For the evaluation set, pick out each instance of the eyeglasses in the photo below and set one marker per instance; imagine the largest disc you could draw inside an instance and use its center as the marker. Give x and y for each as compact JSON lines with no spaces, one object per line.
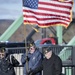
{"x":31,"y":48}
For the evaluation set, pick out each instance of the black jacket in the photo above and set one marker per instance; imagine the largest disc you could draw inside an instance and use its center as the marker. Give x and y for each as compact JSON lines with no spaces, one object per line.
{"x":7,"y":65}
{"x":52,"y":66}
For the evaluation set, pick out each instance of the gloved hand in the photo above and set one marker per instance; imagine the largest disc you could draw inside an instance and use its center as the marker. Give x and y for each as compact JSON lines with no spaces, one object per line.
{"x":26,"y":58}
{"x":30,"y":72}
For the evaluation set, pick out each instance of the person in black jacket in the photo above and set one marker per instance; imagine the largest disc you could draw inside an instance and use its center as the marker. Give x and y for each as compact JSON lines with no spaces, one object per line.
{"x":51,"y":65}
{"x":7,"y":63}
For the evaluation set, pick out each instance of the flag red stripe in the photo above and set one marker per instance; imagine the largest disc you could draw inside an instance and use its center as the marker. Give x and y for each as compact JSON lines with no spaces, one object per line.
{"x":47,"y":24}
{"x":42,"y":19}
{"x":47,"y":15}
{"x":43,"y":14}
{"x":54,"y":10}
{"x":57,"y":5}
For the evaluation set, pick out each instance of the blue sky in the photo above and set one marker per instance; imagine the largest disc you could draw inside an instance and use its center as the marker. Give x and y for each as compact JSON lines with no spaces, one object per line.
{"x":74,"y":6}
{"x":12,"y":9}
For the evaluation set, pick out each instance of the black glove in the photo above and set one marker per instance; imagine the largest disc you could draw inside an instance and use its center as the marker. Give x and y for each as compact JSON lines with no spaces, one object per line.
{"x":15,"y":62}
{"x":27,"y":58}
{"x":30,"y":72}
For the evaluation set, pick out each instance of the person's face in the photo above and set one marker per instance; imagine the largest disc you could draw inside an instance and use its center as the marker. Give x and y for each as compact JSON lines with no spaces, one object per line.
{"x":48,"y":55}
{"x":2,"y":54}
{"x":32,"y":49}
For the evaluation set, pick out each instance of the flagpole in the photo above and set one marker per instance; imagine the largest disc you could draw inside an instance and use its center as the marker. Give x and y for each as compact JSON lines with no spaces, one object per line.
{"x":26,"y":48}
{"x":43,"y":32}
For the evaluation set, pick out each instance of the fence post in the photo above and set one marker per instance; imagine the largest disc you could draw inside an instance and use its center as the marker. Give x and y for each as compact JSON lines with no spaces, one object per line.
{"x":73,"y":59}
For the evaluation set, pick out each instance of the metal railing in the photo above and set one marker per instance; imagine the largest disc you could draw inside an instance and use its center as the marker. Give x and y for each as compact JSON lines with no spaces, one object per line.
{"x":65,"y":52}
{"x":66,"y":70}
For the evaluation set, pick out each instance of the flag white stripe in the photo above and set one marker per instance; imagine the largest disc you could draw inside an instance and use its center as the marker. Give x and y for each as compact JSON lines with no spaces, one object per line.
{"x":39,"y":16}
{"x":48,"y":12}
{"x":49,"y":7}
{"x":54,"y":7}
{"x":65,"y":3}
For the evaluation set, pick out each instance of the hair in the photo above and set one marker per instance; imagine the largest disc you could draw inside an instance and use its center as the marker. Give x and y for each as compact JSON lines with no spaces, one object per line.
{"x":2,"y":49}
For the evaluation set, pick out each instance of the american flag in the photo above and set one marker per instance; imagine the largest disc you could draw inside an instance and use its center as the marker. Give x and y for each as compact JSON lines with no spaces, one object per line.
{"x":45,"y":13}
